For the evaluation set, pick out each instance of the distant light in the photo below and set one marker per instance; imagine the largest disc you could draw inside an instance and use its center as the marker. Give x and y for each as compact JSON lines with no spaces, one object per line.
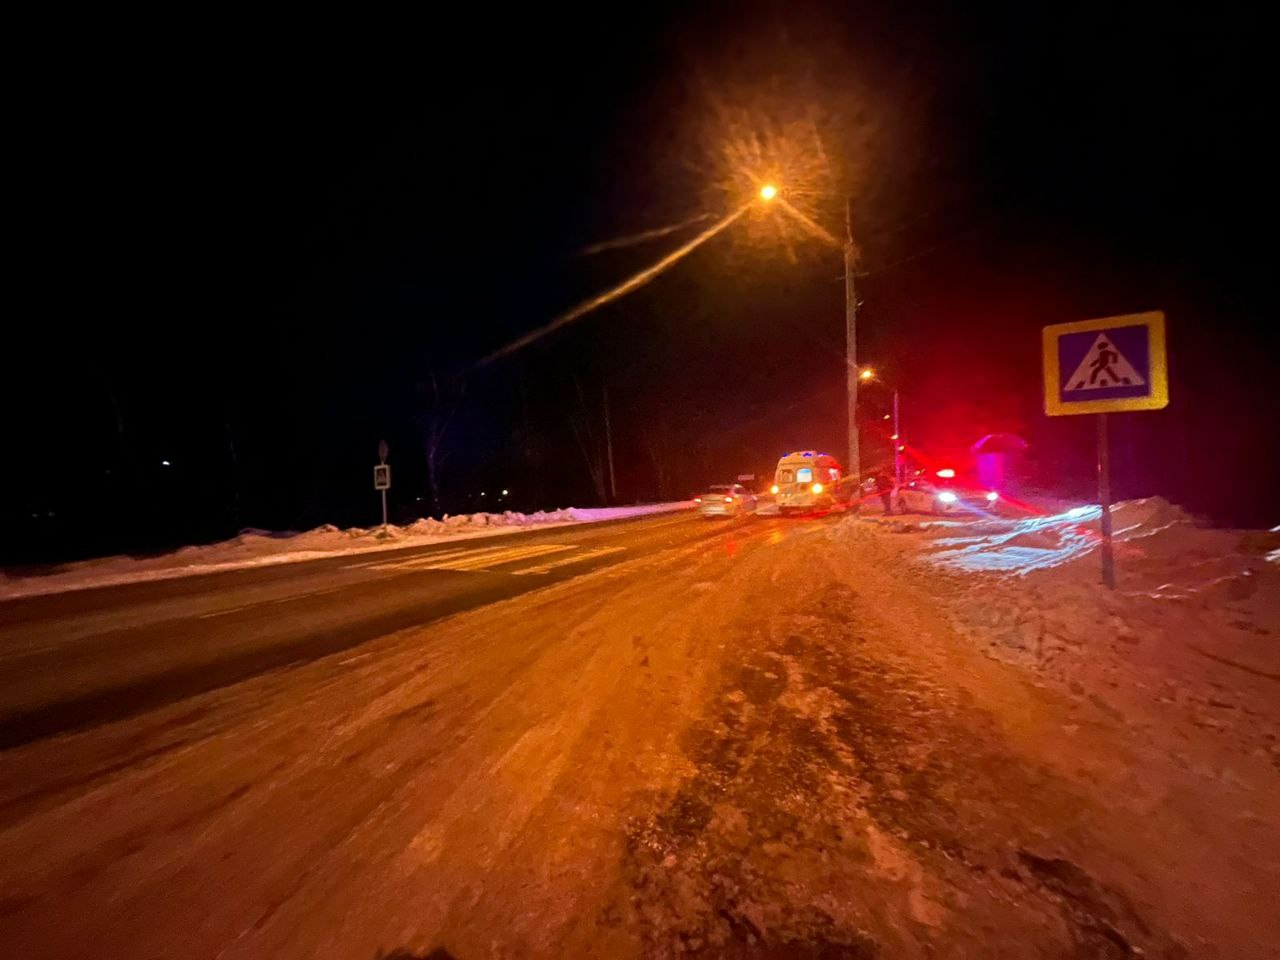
{"x":903,"y":450}
{"x":893,"y":436}
{"x":728,"y":499}
{"x":886,"y":417}
{"x":165,"y":463}
{"x":504,"y":492}
{"x":817,"y":488}
{"x":946,"y":473}
{"x":946,"y":496}
{"x":867,"y":374}
{"x":992,"y":496}
{"x":482,"y":493}
{"x":697,"y":499}
{"x":768,"y":192}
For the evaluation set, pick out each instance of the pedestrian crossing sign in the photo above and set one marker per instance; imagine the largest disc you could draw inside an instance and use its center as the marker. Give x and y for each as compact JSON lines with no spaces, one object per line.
{"x":1105,"y":366}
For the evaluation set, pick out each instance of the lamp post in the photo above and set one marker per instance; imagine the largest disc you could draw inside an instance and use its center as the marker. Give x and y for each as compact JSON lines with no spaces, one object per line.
{"x":768,"y":192}
{"x":869,"y":374}
{"x":851,"y":346}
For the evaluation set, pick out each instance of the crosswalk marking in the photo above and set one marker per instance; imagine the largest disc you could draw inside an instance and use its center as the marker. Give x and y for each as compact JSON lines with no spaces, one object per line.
{"x":465,"y":559}
{"x":566,"y":561}
{"x":427,"y":560}
{"x":493,"y":559}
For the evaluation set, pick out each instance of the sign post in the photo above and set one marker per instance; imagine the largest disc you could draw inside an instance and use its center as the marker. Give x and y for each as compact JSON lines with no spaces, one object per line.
{"x":382,"y":478}
{"x":1104,"y":500}
{"x":1105,"y":366}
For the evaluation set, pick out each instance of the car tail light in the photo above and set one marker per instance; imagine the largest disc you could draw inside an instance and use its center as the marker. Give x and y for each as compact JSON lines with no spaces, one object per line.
{"x":728,"y":499}
{"x":946,"y":496}
{"x":992,"y":496}
{"x":817,"y":488}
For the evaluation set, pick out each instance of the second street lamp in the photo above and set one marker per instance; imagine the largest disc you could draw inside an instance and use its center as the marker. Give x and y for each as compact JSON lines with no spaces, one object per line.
{"x":869,"y":374}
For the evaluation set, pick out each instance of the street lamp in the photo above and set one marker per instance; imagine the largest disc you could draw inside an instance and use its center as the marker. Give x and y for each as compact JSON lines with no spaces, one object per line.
{"x":768,"y":193}
{"x":851,"y":340}
{"x":868,"y":374}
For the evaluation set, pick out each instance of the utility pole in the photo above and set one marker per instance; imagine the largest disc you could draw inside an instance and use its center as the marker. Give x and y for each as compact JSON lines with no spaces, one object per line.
{"x":897,"y":442}
{"x":851,"y":343}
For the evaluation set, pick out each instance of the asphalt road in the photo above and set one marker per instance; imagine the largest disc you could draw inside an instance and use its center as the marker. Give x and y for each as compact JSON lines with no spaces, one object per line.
{"x":661,"y":738}
{"x":73,"y":660}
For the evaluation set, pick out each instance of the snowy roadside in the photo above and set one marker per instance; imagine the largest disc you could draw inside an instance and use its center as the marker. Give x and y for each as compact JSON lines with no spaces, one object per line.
{"x":258,"y":548}
{"x":1189,"y":639}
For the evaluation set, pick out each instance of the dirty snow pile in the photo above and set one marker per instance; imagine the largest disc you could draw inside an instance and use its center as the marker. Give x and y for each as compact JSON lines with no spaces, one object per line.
{"x":254,"y":548}
{"x":1193,"y":625}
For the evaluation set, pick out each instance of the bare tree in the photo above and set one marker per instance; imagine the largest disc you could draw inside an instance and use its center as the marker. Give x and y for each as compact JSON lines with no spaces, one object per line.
{"x":590,"y":442}
{"x":608,"y":448}
{"x":663,"y":448}
{"x":529,"y":443}
{"x":441,"y":398}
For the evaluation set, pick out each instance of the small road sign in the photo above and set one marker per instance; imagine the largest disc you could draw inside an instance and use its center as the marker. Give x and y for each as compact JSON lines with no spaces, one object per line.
{"x":1105,"y":366}
{"x":382,"y":477}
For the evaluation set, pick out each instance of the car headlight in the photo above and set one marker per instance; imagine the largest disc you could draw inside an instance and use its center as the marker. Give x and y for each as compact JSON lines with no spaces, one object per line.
{"x":946,"y":496}
{"x":817,"y":488}
{"x":992,"y":496}
{"x":774,"y":488}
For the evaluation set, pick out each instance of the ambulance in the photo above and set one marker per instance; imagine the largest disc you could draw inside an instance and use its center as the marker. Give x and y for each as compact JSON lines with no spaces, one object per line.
{"x":807,"y":480}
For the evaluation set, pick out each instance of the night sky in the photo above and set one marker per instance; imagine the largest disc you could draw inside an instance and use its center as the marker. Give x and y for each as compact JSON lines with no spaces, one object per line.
{"x":254,"y":249}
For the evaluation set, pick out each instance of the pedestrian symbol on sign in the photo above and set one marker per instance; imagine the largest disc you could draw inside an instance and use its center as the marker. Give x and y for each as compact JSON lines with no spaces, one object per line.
{"x":1103,"y":366}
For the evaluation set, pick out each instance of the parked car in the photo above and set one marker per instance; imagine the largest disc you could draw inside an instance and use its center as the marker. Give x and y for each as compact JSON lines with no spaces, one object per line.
{"x":725,"y":500}
{"x":942,"y":495}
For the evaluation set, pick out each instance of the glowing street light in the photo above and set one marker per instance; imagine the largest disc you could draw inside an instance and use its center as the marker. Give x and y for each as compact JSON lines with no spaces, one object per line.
{"x":867,"y":374}
{"x":769,"y":193}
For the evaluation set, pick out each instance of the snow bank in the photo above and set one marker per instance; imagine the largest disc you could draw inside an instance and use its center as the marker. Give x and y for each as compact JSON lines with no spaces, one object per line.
{"x":1194,"y":621}
{"x":253,"y":547}
{"x":1153,"y":539}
